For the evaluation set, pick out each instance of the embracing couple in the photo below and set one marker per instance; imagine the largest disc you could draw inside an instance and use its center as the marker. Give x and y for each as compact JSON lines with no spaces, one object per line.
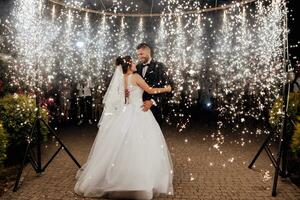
{"x":130,"y":158}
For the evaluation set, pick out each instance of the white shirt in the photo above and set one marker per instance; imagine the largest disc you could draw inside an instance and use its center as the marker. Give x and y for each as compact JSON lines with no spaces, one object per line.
{"x":145,"y":68}
{"x":85,"y":90}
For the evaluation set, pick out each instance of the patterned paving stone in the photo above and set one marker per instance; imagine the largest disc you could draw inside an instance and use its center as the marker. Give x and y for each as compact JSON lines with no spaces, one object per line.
{"x":200,"y":172}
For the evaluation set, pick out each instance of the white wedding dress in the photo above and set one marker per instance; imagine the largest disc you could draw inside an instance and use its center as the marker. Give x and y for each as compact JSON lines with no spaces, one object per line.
{"x":129,"y":157}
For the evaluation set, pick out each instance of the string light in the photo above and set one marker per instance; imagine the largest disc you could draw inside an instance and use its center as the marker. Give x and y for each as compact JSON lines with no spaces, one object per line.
{"x":74,"y":5}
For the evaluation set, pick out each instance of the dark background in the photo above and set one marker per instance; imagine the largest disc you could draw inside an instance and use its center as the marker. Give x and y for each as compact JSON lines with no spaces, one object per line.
{"x":294,"y":35}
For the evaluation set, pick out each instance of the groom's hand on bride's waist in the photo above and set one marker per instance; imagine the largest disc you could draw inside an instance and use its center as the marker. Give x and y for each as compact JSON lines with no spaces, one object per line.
{"x":147,"y":105}
{"x":126,"y":93}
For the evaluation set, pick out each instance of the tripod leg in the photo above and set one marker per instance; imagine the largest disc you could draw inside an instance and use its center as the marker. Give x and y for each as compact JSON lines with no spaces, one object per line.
{"x":261,"y":149}
{"x":278,"y":161}
{"x":273,"y":160}
{"x":46,"y":165}
{"x":62,"y":144}
{"x":20,"y":172}
{"x":275,"y":180}
{"x":24,"y":159}
{"x":38,"y":146}
{"x":32,"y":160}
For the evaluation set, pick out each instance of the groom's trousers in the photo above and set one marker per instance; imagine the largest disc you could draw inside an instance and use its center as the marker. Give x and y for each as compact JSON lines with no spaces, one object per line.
{"x":157,"y":112}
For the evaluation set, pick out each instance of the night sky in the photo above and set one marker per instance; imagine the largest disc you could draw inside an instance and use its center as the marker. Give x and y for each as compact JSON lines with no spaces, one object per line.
{"x":294,"y":35}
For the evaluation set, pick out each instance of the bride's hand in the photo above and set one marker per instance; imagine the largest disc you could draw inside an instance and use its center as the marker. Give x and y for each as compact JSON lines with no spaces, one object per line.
{"x":168,"y":88}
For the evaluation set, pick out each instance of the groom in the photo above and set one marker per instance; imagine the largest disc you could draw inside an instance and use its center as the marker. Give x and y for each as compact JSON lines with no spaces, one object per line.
{"x":154,"y":73}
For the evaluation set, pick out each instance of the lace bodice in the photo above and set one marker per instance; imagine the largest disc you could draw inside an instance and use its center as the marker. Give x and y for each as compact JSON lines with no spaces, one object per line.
{"x":135,"y":93}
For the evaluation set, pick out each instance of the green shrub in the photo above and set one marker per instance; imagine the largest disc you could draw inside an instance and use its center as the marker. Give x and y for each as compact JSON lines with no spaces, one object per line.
{"x":276,"y":113}
{"x":3,"y":144}
{"x":276,"y":119}
{"x":296,"y":139}
{"x":17,"y":113}
{"x":5,"y":79}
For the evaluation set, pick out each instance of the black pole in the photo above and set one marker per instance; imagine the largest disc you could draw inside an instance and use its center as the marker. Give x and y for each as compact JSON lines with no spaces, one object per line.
{"x":284,"y":138}
{"x":286,"y":101}
{"x":39,"y":137}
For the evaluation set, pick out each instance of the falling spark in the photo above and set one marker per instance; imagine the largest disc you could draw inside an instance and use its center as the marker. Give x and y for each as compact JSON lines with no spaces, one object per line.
{"x":237,"y":63}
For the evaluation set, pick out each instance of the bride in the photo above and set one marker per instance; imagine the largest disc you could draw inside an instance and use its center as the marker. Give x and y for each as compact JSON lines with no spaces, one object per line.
{"x":129,"y":157}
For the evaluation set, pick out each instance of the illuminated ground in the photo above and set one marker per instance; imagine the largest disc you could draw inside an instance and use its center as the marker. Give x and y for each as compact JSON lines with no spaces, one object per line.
{"x":200,"y":173}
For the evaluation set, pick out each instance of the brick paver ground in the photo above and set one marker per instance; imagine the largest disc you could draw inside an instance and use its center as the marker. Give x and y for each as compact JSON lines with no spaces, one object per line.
{"x":200,"y":171}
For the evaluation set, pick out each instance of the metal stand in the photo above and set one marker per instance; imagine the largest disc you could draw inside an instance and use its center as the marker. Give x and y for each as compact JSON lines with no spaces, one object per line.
{"x":265,"y":147}
{"x":280,"y":162}
{"x":36,"y":160}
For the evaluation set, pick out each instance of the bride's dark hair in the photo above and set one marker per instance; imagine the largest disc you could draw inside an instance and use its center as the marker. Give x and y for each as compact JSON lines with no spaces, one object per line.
{"x":118,"y":61}
{"x":126,"y":63}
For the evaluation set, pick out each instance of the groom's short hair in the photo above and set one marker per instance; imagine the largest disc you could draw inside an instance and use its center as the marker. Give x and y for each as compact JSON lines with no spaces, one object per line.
{"x":144,"y":45}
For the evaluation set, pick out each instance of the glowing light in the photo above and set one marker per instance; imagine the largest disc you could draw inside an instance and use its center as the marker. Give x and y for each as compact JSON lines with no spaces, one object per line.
{"x":80,"y":44}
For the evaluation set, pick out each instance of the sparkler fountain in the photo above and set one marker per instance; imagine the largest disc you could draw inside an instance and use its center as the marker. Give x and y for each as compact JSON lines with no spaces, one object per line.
{"x":34,"y":59}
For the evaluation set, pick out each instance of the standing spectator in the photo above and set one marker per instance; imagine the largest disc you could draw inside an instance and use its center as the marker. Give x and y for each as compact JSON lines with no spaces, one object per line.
{"x":65,"y":99}
{"x":84,"y":88}
{"x":52,"y":102}
{"x":98,"y":97}
{"x":74,"y":103}
{"x":296,"y":82}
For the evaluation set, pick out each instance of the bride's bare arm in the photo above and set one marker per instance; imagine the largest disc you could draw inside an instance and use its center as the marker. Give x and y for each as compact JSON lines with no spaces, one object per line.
{"x":150,"y":90}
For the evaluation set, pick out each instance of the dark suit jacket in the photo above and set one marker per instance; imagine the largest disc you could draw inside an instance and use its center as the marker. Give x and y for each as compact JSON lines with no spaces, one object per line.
{"x":155,"y":76}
